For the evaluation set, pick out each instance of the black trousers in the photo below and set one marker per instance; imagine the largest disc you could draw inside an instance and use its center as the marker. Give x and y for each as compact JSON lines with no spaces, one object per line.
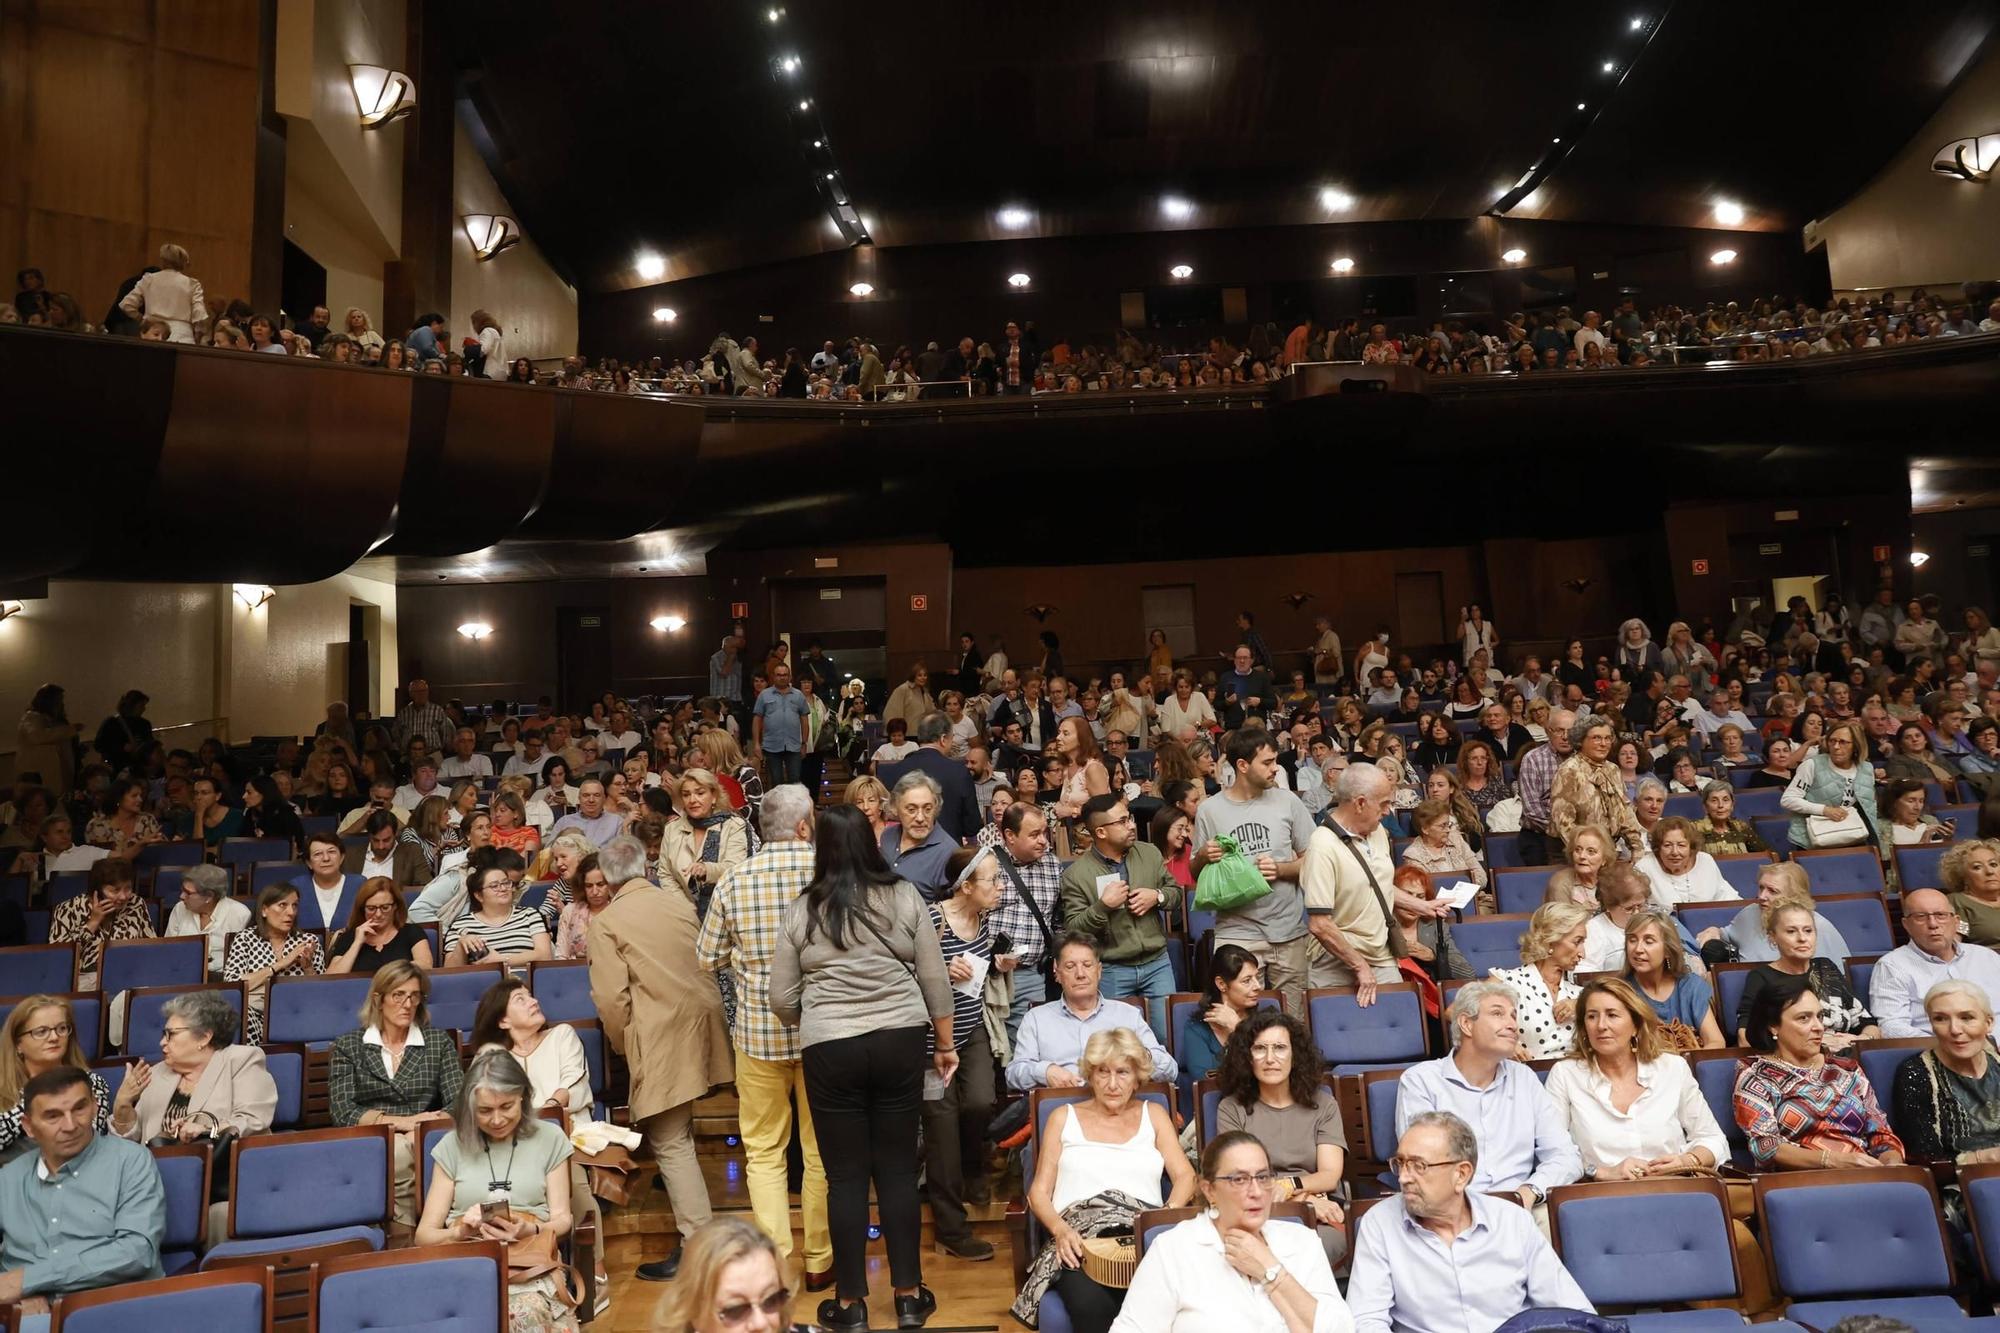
{"x":1092,"y":1306}
{"x":955,"y":1136}
{"x":1539,"y":848}
{"x":865,"y":1093}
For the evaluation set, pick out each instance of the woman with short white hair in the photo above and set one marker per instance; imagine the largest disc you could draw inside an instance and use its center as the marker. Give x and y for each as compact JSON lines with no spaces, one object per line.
{"x":1947,"y":1099}
{"x":169,"y":294}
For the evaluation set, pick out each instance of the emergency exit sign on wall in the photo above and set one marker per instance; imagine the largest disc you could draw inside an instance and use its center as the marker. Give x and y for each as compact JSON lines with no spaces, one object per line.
{"x":739,"y":610}
{"x":919,"y":602}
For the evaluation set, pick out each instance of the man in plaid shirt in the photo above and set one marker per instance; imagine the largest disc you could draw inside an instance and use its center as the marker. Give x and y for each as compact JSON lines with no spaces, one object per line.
{"x":741,"y":931}
{"x":1025,"y":860}
{"x":421,"y":717}
{"x":1535,"y":783}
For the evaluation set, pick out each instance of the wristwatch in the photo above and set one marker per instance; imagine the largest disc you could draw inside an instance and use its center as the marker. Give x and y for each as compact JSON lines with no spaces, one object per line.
{"x":1271,"y":1274}
{"x":1541,"y":1195}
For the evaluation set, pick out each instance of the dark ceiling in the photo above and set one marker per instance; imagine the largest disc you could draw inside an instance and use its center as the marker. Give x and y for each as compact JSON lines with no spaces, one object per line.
{"x":630,"y":126}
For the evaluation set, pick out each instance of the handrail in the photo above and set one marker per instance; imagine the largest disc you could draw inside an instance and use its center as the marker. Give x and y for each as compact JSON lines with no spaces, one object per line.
{"x":219,"y":732}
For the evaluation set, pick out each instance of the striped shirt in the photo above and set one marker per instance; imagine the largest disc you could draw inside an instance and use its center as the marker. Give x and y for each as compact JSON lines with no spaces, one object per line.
{"x":514,"y":935}
{"x":430,"y":721}
{"x":741,"y":931}
{"x":967,"y":1011}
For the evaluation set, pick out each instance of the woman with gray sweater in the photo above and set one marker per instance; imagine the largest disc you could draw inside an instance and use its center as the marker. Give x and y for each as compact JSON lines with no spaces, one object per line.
{"x":858,"y":971}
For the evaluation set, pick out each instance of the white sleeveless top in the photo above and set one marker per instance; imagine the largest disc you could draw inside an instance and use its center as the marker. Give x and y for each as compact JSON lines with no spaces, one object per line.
{"x":1088,"y":1167}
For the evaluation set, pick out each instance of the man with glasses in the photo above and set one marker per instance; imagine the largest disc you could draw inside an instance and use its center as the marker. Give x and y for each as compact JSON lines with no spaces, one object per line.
{"x":1349,"y":881}
{"x":1053,"y":1035}
{"x":1935,"y":953}
{"x":1115,"y":893}
{"x":1442,"y":1255}
{"x":207,"y":909}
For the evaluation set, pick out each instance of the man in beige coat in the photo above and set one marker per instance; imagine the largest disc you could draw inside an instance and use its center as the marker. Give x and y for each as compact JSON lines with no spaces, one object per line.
{"x":663,"y":1013}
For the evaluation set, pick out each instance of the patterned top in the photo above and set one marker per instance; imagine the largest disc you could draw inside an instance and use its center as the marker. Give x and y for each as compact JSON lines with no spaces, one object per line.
{"x":1456,"y":856}
{"x":741,"y":931}
{"x":430,"y":721}
{"x":1840,"y":1009}
{"x":1485,"y":798}
{"x":1830,"y":1106}
{"x":251,"y":952}
{"x":967,"y":1010}
{"x":357,"y":1082}
{"x":11,"y":1118}
{"x":1740,"y":836}
{"x":70,"y":924}
{"x":1587,"y":793}
{"x":101,"y":832}
{"x":1541,"y":1035}
{"x":573,"y":932}
{"x":1533,"y":781}
{"x":1013,"y":917}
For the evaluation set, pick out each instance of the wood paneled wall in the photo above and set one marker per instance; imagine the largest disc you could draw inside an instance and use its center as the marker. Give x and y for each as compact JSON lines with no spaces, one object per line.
{"x":126,"y":124}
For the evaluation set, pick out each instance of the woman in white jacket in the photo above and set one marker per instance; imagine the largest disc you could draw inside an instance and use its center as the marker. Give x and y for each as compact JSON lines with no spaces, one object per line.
{"x":169,"y":294}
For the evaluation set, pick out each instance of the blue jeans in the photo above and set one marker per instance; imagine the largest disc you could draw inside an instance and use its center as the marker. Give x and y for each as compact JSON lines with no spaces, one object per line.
{"x":1153,"y":979}
{"x":782,"y":766}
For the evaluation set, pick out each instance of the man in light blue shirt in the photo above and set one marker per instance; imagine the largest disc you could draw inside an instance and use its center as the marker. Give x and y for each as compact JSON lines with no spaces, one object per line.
{"x":1935,"y":953}
{"x":1441,"y":1257}
{"x":84,"y":1210}
{"x":1053,"y":1035}
{"x":594,"y":821}
{"x":1524,"y":1145}
{"x":778,"y":727}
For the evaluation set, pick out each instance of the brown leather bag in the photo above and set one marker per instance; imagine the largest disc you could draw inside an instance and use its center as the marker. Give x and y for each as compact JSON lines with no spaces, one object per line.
{"x":537,"y":1255}
{"x":609,"y":1173}
{"x":1326,"y":664}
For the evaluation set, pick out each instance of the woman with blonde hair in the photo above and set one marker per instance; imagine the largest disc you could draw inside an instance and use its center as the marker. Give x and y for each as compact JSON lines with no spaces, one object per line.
{"x":872,"y":797}
{"x":706,"y":842}
{"x":724,"y":758}
{"x":40,"y":1034}
{"x":1544,"y":986}
{"x":361,"y":333}
{"x":732,"y":1280}
{"x":170,"y":295}
{"x":1589,"y":851}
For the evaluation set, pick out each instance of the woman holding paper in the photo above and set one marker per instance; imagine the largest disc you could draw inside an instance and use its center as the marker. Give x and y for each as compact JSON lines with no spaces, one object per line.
{"x":956,"y":1113}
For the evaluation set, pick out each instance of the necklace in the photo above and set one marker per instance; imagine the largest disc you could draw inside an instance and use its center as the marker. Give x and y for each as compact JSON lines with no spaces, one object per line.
{"x":499,"y":1184}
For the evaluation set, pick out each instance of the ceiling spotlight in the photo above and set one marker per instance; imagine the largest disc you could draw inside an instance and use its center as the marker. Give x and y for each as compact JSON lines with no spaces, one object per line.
{"x":1557,"y":139}
{"x":804,"y":102}
{"x":1017,"y":279}
{"x":1334,"y":201}
{"x":666,"y":314}
{"x":1579,"y":106}
{"x":773,"y":14}
{"x":1728,"y":214}
{"x":1181,"y":271}
{"x":819,"y":143}
{"x":475,"y":629}
{"x":791,"y":64}
{"x":1638,"y":23}
{"x":1723,"y":257}
{"x":1918,"y":559}
{"x":862,"y":288}
{"x":1343,"y":265}
{"x":668,"y":624}
{"x":652,"y":268}
{"x":829,"y":175}
{"x":1014,"y":218}
{"x":1610,"y":67}
{"x":1176,"y":208}
{"x":1514,"y":256}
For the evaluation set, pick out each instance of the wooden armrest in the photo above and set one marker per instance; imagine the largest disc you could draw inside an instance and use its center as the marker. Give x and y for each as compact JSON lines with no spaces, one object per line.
{"x":1017,"y":1239}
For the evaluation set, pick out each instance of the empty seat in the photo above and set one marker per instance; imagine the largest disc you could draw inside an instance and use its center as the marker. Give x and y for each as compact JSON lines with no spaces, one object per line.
{"x":240,"y":853}
{"x":1758,"y":802}
{"x":314,"y":1009}
{"x":456,"y":992}
{"x":1715,"y":1073}
{"x":563,"y":988}
{"x":448,"y":1288}
{"x":1516,"y":891}
{"x":1860,"y":973}
{"x":14,"y":889}
{"x":38,"y":969}
{"x":307,"y":1194}
{"x":591,"y":1033}
{"x":1842,"y":870}
{"x":266,"y":873}
{"x":1351,"y":1038}
{"x":130,"y":964}
{"x":1698,"y":917}
{"x":1776,"y":831}
{"x":1740,"y":872}
{"x":61,"y":888}
{"x":1845,"y":1243}
{"x":1503,"y":849}
{"x":1729,"y":980}
{"x":154,"y":855}
{"x":185,"y":1171}
{"x":1861,"y":918}
{"x":1650,"y":1242}
{"x":1920,"y":867}
{"x":232,"y":1301}
{"x":287,"y":1067}
{"x":1979,"y":1185}
{"x":1488,"y":942}
{"x":1685,"y":804}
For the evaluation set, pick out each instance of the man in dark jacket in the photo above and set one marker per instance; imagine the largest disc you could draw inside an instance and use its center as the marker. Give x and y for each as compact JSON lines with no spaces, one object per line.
{"x":958,"y":809}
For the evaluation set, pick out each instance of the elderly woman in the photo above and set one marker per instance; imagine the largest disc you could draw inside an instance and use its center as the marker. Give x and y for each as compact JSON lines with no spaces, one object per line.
{"x":274,"y":946}
{"x":1271,"y":1087}
{"x":494,"y":1108}
{"x":1587,"y":789}
{"x":495,"y":926}
{"x":1649,"y":805}
{"x":573,"y":927}
{"x":1722,"y":833}
{"x":1544,"y":985}
{"x":1440,"y":848}
{"x":916,"y":847}
{"x":123,"y":827}
{"x":1227,"y":1269}
{"x":205,"y":908}
{"x":40,"y":1034}
{"x":1637,"y":653}
{"x":1745,"y":937}
{"x":1791,"y":926}
{"x":706,"y":842}
{"x":1802,"y":1109}
{"x":561,"y":861}
{"x":205,"y":1085}
{"x":1427,"y":939}
{"x":396,"y":1070}
{"x":955,"y":1152}
{"x":1678,"y":872}
{"x":425,"y":838}
{"x":1622,"y":893}
{"x":1947,"y":1098}
{"x":1971,"y":875}
{"x":1835,"y":785}
{"x":379,"y":931}
{"x":872,"y":798}
{"x":1657,"y":966}
{"x":1589,"y":850}
{"x":1097,"y":1167}
{"x":169,"y":294}
{"x":1899,"y":807}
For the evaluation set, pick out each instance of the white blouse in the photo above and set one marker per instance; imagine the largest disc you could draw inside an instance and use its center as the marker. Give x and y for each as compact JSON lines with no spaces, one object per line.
{"x":1185,"y":1284}
{"x":1670,"y":1117}
{"x":1700,"y":883}
{"x":1603,"y":946}
{"x":1535,"y":1008}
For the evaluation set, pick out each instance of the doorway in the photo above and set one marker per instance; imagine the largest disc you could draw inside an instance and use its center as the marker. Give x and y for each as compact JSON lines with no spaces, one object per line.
{"x":302,"y":284}
{"x":583,"y":654}
{"x":848,"y":618}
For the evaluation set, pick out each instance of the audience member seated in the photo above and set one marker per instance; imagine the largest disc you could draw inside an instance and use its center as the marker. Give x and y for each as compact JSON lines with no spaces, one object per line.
{"x":1789,"y":924}
{"x":379,"y":931}
{"x":267,"y":814}
{"x":1271,"y":1087}
{"x":1900,"y":812}
{"x":1800,"y":1108}
{"x":511,"y":828}
{"x":207,"y":909}
{"x":204,"y":1086}
{"x":1722,"y":833}
{"x":86,"y":1209}
{"x":274,"y":946}
{"x":1049,"y":1048}
{"x":596,"y":822}
{"x":561,"y":860}
{"x":528,"y":1210}
{"x":1427,"y":940}
{"x":1228,"y":996}
{"x":326,"y":892}
{"x":1588,"y":850}
{"x":1231,"y":1267}
{"x":1098,"y":1165}
{"x":1837,"y":784}
{"x":1678,"y":871}
{"x":573,"y":924}
{"x":108,"y":910}
{"x":1442,"y":1255}
{"x":1935,"y":953}
{"x":447,"y":898}
{"x":1971,"y":874}
{"x":706,"y":842}
{"x":40,"y":1035}
{"x":384,"y":853}
{"x":423,"y":843}
{"x":733,"y":1280}
{"x":215,"y":820}
{"x":1544,"y":985}
{"x":49,"y":837}
{"x":1528,"y":1150}
{"x":1440,"y":847}
{"x":1657,"y":965}
{"x":1745,"y":939}
{"x":1947,"y":1098}
{"x":124,"y":827}
{"x":494,"y":924}
{"x":395,"y":1070}
{"x":1622,"y":893}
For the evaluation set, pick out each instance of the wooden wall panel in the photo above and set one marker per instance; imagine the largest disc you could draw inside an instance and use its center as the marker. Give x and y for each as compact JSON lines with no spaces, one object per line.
{"x":87,"y":112}
{"x":204,"y":150}
{"x":215,"y":30}
{"x":85,"y":256}
{"x":127,"y":20}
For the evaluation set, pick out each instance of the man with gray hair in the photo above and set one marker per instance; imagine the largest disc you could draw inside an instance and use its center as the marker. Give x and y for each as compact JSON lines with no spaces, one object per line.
{"x":741,"y":931}
{"x":958,"y":804}
{"x":915,"y":847}
{"x":1349,"y":881}
{"x":1535,"y":783}
{"x":207,"y":909}
{"x":1443,"y":1255}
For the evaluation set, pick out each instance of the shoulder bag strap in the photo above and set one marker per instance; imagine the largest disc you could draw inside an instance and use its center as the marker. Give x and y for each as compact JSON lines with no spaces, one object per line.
{"x":1398,"y":947}
{"x":1021,"y":887}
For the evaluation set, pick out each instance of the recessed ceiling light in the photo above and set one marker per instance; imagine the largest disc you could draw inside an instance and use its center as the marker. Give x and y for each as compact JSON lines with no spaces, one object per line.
{"x":1638,"y":23}
{"x":1514,"y":256}
{"x":1181,"y":271}
{"x":1176,"y":208}
{"x":804,"y":102}
{"x":1017,"y":280}
{"x":652,"y":267}
{"x":1610,"y":66}
{"x":1557,"y":139}
{"x":1728,"y":214}
{"x":1343,"y":265}
{"x":772,"y":15}
{"x":1579,"y":106}
{"x":1014,"y":218}
{"x":829,"y":175}
{"x":1723,"y":257}
{"x":862,"y":289}
{"x":666,"y":314}
{"x":791,"y":64}
{"x":1335,"y":201}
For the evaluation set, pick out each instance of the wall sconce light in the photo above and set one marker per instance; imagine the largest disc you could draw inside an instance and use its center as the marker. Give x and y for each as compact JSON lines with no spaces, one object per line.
{"x":1723,"y":257}
{"x":862,"y":290}
{"x":1182,"y":271}
{"x":253,"y":595}
{"x":490,"y":233}
{"x":668,"y":624}
{"x":1343,"y":265}
{"x":475,"y":630}
{"x":1918,"y":559}
{"x":1971,"y":159}
{"x":383,"y":95}
{"x":1515,"y":255}
{"x":8,"y":610}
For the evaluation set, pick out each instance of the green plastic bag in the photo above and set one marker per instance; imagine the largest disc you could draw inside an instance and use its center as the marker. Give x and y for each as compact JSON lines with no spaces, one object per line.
{"x":1231,"y":883}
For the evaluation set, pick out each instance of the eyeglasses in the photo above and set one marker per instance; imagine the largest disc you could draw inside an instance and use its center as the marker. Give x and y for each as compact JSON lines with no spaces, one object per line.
{"x":1240,"y":1180}
{"x":1406,"y":1166}
{"x":44,"y":1033}
{"x":172,"y":1032}
{"x":1930,"y":916}
{"x":774,"y":1304}
{"x":1270,"y":1052}
{"x":403,"y":997}
{"x":386,"y":909}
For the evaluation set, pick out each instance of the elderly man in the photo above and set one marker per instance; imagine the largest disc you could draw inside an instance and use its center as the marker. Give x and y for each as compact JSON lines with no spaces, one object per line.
{"x":1589,"y":790}
{"x":1442,"y":1257}
{"x":1272,"y":830}
{"x":959,"y":811}
{"x":1245,"y":690}
{"x":1028,"y":915}
{"x":1052,"y":1037}
{"x":1721,"y":712}
{"x":779,"y":721}
{"x":1117,"y":892}
{"x":665,"y":1018}
{"x":740,"y":933}
{"x":465,"y":762}
{"x":423,"y":782}
{"x":83,"y":1211}
{"x":1504,"y":734}
{"x":1525,"y":1145}
{"x":421,"y":717}
{"x":1935,"y":953}
{"x":915,"y":847}
{"x":591,"y":817}
{"x":1348,"y":877}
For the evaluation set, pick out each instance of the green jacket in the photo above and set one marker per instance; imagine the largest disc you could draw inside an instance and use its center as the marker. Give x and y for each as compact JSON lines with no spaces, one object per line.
{"x":1121,"y":936}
